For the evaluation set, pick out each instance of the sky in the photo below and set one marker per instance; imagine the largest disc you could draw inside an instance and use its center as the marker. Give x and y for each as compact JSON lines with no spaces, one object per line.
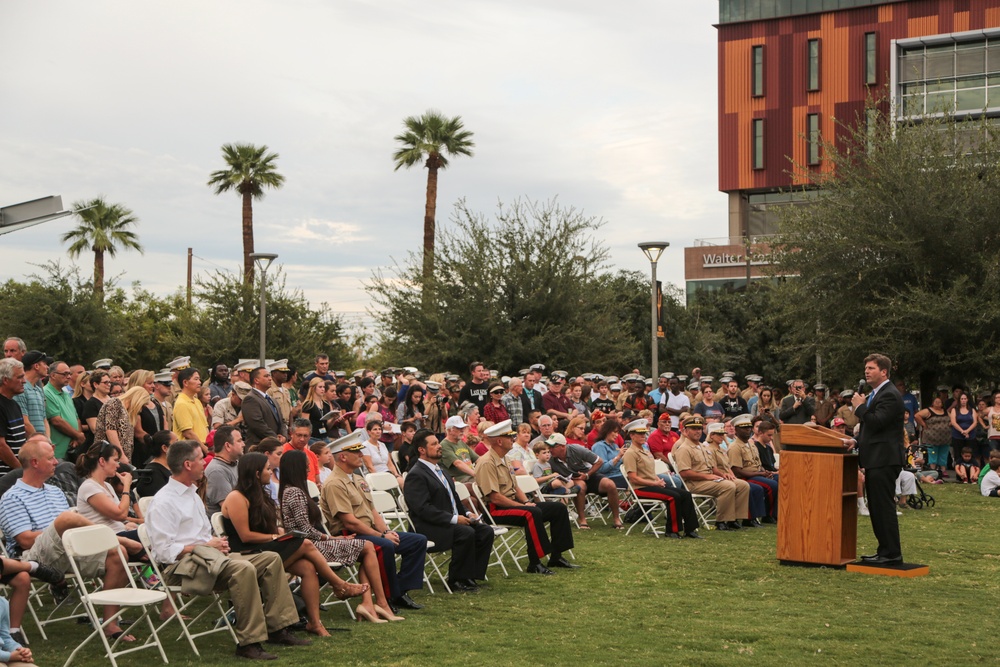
{"x":609,"y":107}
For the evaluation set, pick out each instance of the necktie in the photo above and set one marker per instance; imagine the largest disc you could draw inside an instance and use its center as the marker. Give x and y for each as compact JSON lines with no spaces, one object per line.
{"x":274,"y":408}
{"x":870,"y":397}
{"x":447,"y":488}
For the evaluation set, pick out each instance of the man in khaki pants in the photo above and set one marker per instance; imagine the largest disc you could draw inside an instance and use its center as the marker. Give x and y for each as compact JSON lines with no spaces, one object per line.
{"x":177,"y":525}
{"x":697,"y":465}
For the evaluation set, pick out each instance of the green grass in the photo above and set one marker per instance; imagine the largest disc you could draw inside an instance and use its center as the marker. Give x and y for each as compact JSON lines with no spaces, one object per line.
{"x":720,"y":601}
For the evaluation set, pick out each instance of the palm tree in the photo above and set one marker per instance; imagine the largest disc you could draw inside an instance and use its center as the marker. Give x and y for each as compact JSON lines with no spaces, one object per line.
{"x":104,"y":229}
{"x":251,"y":169}
{"x":427,"y":139}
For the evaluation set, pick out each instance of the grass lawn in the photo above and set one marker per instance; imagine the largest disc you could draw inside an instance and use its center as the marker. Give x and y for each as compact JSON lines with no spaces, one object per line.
{"x":720,"y":601}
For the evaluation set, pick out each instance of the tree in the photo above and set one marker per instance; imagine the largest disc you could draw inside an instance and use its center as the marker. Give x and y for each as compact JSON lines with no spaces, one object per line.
{"x":251,"y":170}
{"x":524,"y":287}
{"x":430,"y":138}
{"x":103,"y":228}
{"x":899,"y":252}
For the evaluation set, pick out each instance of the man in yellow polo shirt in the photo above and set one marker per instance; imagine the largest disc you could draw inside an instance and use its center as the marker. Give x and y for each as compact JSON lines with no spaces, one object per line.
{"x":189,"y":415}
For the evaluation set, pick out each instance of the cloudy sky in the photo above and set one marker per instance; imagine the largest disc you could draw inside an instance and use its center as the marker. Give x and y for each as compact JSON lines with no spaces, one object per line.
{"x":611,"y":107}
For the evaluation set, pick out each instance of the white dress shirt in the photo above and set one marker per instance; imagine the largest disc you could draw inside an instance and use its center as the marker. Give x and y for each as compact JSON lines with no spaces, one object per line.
{"x":176,"y":519}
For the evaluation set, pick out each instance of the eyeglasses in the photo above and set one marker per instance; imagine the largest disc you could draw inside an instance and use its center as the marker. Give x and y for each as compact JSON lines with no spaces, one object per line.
{"x":64,"y":373}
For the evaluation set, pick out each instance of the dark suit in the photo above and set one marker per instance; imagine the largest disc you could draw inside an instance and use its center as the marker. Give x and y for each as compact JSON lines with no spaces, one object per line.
{"x":261,"y":420}
{"x":431,"y":512}
{"x":880,"y":448}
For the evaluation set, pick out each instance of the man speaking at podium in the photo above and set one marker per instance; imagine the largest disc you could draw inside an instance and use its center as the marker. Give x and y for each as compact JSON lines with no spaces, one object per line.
{"x":880,"y":447}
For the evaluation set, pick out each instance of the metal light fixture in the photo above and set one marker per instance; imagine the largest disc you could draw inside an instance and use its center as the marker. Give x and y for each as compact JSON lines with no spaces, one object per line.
{"x":653,"y":250}
{"x":263,"y":261}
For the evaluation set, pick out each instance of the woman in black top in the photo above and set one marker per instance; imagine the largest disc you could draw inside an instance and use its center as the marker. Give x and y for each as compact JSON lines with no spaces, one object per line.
{"x":148,"y":483}
{"x":100,"y":384}
{"x":315,"y":406}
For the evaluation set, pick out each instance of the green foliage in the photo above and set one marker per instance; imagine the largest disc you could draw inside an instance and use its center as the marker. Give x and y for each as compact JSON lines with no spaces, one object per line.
{"x":251,"y":170}
{"x":432,"y":137}
{"x":526,"y":286}
{"x":58,"y":313}
{"x":899,"y":252}
{"x":103,"y":229}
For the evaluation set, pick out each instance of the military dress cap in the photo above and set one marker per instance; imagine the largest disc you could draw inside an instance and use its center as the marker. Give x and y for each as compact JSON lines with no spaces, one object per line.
{"x":494,"y":373}
{"x":599,"y":378}
{"x":241,"y":388}
{"x":667,"y":375}
{"x":942,"y":387}
{"x":707,"y":379}
{"x":432,"y":386}
{"x":340,"y":375}
{"x":560,"y":374}
{"x":352,"y":442}
{"x":524,"y":371}
{"x":753,"y":377}
{"x":555,"y":440}
{"x":615,"y":387}
{"x":387,"y":372}
{"x":682,"y":378}
{"x":611,"y":378}
{"x":358,"y":373}
{"x":847,"y":393}
{"x":32,"y":357}
{"x":505,"y":380}
{"x":453,"y":378}
{"x":500,"y":429}
{"x":715,"y":427}
{"x":649,"y":382}
{"x":693,"y":386}
{"x":637,"y":426}
{"x":102,"y":364}
{"x":538,"y":367}
{"x":640,"y":378}
{"x":820,"y":387}
{"x":630,"y":377}
{"x":742,"y":420}
{"x":245,"y":365}
{"x":165,"y":377}
{"x":410,"y":369}
{"x":694,"y":421}
{"x":179,"y":363}
{"x":279,"y":365}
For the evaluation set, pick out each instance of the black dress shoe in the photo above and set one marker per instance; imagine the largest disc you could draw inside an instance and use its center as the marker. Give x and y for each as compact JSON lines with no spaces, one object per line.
{"x":769,"y":519}
{"x":538,"y":568}
{"x":254,"y":652}
{"x":472,"y":583}
{"x":404,"y":601}
{"x":751,"y":523}
{"x":735,"y":525}
{"x":871,"y":557}
{"x":462,"y":587}
{"x":722,"y":525}
{"x":884,"y":561}
{"x":693,"y":534}
{"x":675,"y":536}
{"x":286,"y":638}
{"x":562,"y":562}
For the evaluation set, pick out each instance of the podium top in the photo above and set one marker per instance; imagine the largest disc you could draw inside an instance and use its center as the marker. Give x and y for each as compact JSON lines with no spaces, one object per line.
{"x":812,"y":437}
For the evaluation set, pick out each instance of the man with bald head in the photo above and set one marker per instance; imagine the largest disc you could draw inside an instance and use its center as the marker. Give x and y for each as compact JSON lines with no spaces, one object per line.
{"x":34,"y":515}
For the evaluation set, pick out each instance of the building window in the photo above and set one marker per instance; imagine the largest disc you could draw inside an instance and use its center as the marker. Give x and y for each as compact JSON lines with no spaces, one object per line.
{"x":757,"y":73}
{"x":871,"y":74}
{"x":758,"y":143}
{"x":812,"y":67}
{"x":813,"y":137}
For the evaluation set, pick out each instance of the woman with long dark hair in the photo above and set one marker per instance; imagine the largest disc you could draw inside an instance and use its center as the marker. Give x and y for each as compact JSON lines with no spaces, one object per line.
{"x":250,"y":519}
{"x":412,"y":408}
{"x":300,"y":513}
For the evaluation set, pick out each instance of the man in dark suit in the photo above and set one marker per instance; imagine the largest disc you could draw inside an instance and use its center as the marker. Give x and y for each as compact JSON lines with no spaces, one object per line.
{"x":880,"y":447}
{"x":438,"y":513}
{"x":261,"y":415}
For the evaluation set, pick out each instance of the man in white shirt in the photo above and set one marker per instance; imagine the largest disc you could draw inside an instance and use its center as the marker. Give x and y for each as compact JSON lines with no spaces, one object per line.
{"x":674,"y":402}
{"x":177,"y":524}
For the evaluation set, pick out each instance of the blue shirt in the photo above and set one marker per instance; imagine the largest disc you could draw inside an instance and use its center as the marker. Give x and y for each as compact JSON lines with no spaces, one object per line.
{"x":607,"y":453}
{"x":7,"y":643}
{"x":26,"y":507}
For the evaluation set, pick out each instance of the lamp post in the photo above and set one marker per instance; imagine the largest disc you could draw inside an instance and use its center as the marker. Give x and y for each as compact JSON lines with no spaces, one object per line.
{"x":263,"y":261}
{"x":653,"y":250}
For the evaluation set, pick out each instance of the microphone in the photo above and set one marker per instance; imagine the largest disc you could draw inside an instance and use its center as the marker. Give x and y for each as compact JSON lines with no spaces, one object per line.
{"x":861,"y":387}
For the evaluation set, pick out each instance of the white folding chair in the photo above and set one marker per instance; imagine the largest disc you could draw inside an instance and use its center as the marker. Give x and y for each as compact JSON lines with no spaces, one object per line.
{"x":93,"y":541}
{"x":386,"y":505}
{"x":180,"y":604}
{"x":652,"y":509}
{"x":499,"y":532}
{"x":34,"y":595}
{"x":513,"y":542}
{"x":660,"y":467}
{"x":313,"y":489}
{"x":383,"y":481}
{"x":704,"y":505}
{"x":529,"y":486}
{"x":432,"y":556}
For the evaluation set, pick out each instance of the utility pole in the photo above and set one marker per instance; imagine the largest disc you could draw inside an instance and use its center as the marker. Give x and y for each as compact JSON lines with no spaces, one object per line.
{"x":190,"y":256}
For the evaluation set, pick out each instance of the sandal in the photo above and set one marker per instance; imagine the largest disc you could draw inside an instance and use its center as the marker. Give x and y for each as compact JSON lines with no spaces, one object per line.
{"x":584,"y":526}
{"x":619,"y":526}
{"x":121,"y":633}
{"x":350,"y":591}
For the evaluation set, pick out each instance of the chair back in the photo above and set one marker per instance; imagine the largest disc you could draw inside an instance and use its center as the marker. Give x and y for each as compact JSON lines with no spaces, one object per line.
{"x":660,"y":467}
{"x":383,"y":481}
{"x":383,"y":500}
{"x":313,"y":489}
{"x":528,"y":485}
{"x":89,"y":540}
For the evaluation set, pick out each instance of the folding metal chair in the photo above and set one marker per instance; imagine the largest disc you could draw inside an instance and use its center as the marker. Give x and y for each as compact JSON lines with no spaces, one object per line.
{"x":513,"y":542}
{"x":704,"y":506}
{"x":180,"y":604}
{"x":500,"y":533}
{"x":652,"y":509}
{"x":34,"y":595}
{"x":92,"y":541}
{"x":432,"y":556}
{"x":529,"y":486}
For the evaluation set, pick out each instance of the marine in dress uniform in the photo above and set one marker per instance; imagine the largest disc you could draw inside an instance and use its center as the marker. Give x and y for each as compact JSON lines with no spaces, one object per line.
{"x":696,"y":464}
{"x":744,"y":459}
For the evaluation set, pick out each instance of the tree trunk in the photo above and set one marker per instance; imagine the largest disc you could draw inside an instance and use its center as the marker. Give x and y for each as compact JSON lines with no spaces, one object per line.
{"x":429,"y":211}
{"x":99,"y":274}
{"x":247,"y":238}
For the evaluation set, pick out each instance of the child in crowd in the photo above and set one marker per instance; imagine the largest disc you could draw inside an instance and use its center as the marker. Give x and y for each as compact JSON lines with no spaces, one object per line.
{"x":991,"y":482}
{"x":966,"y":469}
{"x":11,"y":652}
{"x":324,"y":458}
{"x":548,"y":481}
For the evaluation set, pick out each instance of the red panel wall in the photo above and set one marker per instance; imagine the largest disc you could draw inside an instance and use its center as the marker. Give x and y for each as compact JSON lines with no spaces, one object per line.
{"x":842,"y":93}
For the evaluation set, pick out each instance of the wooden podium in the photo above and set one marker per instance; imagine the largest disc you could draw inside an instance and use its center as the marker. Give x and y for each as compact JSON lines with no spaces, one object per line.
{"x":817,"y":497}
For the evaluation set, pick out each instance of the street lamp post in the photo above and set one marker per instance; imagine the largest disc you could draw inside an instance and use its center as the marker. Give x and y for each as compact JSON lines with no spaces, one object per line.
{"x":653,"y":250}
{"x":263,"y":261}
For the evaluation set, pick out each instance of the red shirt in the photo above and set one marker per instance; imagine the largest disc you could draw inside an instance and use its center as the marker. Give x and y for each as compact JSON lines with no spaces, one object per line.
{"x":495,"y":413}
{"x":313,"y":461}
{"x":592,"y":438}
{"x":658,"y":442}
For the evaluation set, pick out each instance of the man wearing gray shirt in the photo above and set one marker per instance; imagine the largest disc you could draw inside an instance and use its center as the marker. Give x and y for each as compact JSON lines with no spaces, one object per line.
{"x":220,"y":473}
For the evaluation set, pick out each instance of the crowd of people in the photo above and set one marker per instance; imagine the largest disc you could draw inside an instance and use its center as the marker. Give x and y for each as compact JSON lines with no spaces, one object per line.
{"x":290,"y":468}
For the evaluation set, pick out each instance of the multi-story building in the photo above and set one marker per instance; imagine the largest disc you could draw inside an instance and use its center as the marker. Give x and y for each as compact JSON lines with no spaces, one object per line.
{"x":789,"y":70}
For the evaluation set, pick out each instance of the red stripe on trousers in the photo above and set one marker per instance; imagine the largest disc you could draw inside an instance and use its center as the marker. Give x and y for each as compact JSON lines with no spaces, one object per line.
{"x":671,"y":507}
{"x":529,"y":521}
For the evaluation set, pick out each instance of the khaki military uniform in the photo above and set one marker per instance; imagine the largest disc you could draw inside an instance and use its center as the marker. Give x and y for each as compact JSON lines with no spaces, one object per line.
{"x":493,"y":475}
{"x":281,"y":398}
{"x":731,"y":499}
{"x":846,"y":412}
{"x":347,"y":494}
{"x":748,"y":393}
{"x":824,"y":412}
{"x":168,"y":414}
{"x":744,"y":455}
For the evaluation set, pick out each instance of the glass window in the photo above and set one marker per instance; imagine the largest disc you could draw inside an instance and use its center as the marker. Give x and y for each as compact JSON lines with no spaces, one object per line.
{"x":758,"y":143}
{"x":757,"y":74}
{"x":813,"y":65}
{"x":973,"y":99}
{"x":871,"y":60}
{"x":812,"y":123}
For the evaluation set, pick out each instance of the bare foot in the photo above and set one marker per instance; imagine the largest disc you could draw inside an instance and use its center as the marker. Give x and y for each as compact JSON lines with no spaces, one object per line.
{"x":317,"y":630}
